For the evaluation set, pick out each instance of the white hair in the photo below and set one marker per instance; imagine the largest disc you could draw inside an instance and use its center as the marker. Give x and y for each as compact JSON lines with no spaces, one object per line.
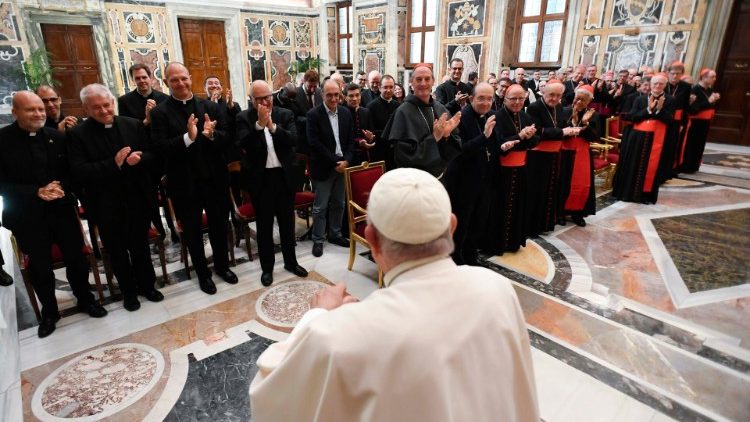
{"x":581,"y":91}
{"x":443,"y":246}
{"x":95,"y":90}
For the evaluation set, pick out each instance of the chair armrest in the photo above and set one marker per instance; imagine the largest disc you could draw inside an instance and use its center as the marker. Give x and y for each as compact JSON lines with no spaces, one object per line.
{"x":357,"y":207}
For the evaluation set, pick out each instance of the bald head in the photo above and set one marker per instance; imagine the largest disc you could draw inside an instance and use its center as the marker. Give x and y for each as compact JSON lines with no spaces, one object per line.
{"x":552,"y":94}
{"x":515,"y":90}
{"x":554,"y":87}
{"x":28,"y":110}
{"x":172,"y":67}
{"x":339,"y":79}
{"x":483,"y":95}
{"x":261,"y":94}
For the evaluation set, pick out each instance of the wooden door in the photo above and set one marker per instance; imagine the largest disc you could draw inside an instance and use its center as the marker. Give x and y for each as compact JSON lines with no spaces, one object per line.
{"x":732,"y":122}
{"x":73,"y":61}
{"x":204,"y":51}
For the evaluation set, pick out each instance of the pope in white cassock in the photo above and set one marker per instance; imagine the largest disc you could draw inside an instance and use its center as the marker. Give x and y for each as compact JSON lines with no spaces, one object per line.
{"x":440,"y":343}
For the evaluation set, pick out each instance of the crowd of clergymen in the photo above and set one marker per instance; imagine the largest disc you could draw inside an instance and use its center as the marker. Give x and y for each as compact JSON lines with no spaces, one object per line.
{"x":513,"y":155}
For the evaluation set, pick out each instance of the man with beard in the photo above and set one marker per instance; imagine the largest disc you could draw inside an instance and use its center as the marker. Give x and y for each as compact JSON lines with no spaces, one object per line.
{"x":373,"y":92}
{"x":702,"y":109}
{"x":453,"y":94}
{"x":516,"y":133}
{"x":330,"y":130}
{"x":138,"y":104}
{"x":467,"y":178}
{"x":267,"y":137}
{"x":421,"y":130}
{"x":109,"y":158}
{"x":364,"y":138}
{"x":577,"y":166}
{"x":642,"y":149}
{"x":381,"y":109}
{"x":680,"y":92}
{"x":189,"y":132}
{"x":39,"y":208}
{"x":544,"y":161}
{"x":55,"y":117}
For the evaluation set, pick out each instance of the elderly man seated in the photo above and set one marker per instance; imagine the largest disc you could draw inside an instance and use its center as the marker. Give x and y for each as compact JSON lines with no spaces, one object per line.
{"x":442,"y":342}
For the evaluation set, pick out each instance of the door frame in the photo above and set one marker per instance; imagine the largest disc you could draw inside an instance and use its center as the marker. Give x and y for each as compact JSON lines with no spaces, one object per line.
{"x":232,"y":29}
{"x":34,"y":19}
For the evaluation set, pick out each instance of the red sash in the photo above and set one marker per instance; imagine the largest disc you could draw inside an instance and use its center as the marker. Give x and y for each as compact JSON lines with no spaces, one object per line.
{"x":707,"y":114}
{"x":580,"y":183}
{"x":548,"y":146}
{"x":659,"y":129}
{"x":678,"y":114}
{"x":513,"y":159}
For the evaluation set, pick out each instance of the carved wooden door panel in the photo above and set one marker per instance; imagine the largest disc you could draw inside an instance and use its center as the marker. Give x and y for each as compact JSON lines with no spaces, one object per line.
{"x":204,"y":51}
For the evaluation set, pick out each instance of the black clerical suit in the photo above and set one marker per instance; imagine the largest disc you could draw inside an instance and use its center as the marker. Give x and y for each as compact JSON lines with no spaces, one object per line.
{"x":570,"y":92}
{"x":52,"y":123}
{"x":380,"y":112}
{"x":121,"y":199}
{"x":133,"y":104}
{"x":467,"y":180}
{"x":362,"y":121}
{"x":28,"y":163}
{"x":197,"y":176}
{"x":303,"y":106}
{"x":446,"y":92}
{"x":271,"y":184}
{"x":368,"y":96}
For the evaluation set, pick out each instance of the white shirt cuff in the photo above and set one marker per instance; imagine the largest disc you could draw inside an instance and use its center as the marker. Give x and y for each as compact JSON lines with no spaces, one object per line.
{"x":187,"y":140}
{"x":258,"y":127}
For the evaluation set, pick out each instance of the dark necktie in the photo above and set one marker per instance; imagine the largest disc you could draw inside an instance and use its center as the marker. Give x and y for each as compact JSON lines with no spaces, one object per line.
{"x":310,"y":99}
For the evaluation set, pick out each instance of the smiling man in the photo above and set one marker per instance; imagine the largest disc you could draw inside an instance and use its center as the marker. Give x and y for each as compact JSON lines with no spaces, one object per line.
{"x":109,"y":157}
{"x":453,"y":93}
{"x":139,"y":102}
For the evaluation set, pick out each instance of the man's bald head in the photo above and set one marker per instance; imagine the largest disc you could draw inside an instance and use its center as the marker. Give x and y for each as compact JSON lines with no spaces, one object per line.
{"x":515,"y":90}
{"x":173,"y":66}
{"x":484,"y":93}
{"x":556,"y":86}
{"x":28,"y":110}
{"x":261,"y":93}
{"x":552,"y":94}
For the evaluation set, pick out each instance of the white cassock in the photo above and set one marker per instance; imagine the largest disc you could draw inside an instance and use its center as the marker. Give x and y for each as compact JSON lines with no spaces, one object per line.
{"x":441,"y":343}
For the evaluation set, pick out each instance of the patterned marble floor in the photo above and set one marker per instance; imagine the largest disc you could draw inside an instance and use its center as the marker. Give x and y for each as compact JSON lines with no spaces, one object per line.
{"x":641,"y":315}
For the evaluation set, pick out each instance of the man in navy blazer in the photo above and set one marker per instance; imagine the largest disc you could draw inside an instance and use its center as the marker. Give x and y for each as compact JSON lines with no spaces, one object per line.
{"x":330,"y":132}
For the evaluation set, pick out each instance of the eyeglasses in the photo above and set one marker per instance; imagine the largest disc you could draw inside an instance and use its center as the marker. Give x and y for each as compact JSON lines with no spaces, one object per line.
{"x":50,"y":100}
{"x":265,"y":97}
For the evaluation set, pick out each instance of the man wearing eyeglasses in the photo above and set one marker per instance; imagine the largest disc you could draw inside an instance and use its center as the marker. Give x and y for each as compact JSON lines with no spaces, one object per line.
{"x":267,"y":135}
{"x":55,"y":117}
{"x":453,"y":93}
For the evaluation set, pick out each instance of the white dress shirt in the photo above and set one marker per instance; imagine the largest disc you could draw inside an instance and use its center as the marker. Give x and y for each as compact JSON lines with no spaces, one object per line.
{"x":333,"y":117}
{"x":272,"y":161}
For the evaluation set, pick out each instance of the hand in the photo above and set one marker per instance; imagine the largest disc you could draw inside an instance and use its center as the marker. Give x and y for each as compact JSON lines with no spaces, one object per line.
{"x":208,"y":127}
{"x":150,"y":104}
{"x":569,"y":131}
{"x":263,"y":115}
{"x":461,"y":99}
{"x":489,"y":125}
{"x":134,"y":158}
{"x":660,"y":102}
{"x":587,"y":116}
{"x":508,"y":145}
{"x":67,"y":122}
{"x":215,"y":96}
{"x":230,"y":103}
{"x":714,"y":97}
{"x":192,"y":127}
{"x":527,"y":132}
{"x":121,"y":156}
{"x":332,"y":297}
{"x":450,"y":125}
{"x":652,"y":103}
{"x":368,"y":135}
{"x":341,"y":166}
{"x":51,"y":191}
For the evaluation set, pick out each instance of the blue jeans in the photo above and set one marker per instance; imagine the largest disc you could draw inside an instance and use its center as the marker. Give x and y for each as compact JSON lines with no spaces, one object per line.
{"x":329,"y":193}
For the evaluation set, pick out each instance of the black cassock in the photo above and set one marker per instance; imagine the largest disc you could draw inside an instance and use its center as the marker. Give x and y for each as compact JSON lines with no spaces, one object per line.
{"x":699,"y":121}
{"x":380,"y":112}
{"x":120,"y":200}
{"x":637,"y":177}
{"x":507,"y":223}
{"x":575,"y":157}
{"x":543,"y":167}
{"x":197,"y":176}
{"x":133,"y":104}
{"x":680,"y":94}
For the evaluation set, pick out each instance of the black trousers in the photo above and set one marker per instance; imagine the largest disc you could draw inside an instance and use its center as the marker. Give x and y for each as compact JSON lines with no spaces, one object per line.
{"x":125,"y":239}
{"x":275,"y":199}
{"x":189,"y":210}
{"x":58,"y":226}
{"x":472,"y":211}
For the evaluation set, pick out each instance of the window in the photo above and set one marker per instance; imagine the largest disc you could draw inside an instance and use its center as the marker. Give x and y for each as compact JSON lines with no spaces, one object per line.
{"x":540,"y":26}
{"x":420,"y":32}
{"x":345,"y":22}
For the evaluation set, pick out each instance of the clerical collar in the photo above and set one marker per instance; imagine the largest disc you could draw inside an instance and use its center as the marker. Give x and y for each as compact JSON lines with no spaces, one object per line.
{"x":148,"y":94}
{"x":32,"y":133}
{"x":108,"y":126}
{"x":184,"y":101}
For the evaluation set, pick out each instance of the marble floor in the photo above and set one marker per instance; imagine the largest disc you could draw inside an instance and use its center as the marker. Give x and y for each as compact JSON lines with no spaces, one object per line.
{"x":642,"y":315}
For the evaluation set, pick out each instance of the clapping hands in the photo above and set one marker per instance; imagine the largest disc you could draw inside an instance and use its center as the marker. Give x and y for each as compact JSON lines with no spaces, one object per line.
{"x":444,"y":126}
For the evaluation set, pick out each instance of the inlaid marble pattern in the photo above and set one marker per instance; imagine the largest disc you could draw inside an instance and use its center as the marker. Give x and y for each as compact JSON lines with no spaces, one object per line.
{"x":675,"y":46}
{"x":594,"y":15}
{"x":710,"y":250}
{"x":466,"y":18}
{"x":589,"y":49}
{"x":283,"y":305}
{"x":217,"y":386}
{"x":737,"y":161}
{"x":99,"y":383}
{"x":636,"y":13}
{"x":372,"y":28}
{"x":9,"y":28}
{"x":683,"y":11}
{"x":471,"y":54}
{"x":625,"y":51}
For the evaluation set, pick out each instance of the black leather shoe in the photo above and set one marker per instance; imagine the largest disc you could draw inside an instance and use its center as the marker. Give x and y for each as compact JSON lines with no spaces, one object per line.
{"x":317,"y":249}
{"x":266,"y":279}
{"x":339,"y":241}
{"x":296,"y":269}
{"x":227,"y":275}
{"x":94,"y":310}
{"x":5,"y":278}
{"x":131,"y":303}
{"x":207,"y":285}
{"x":151,"y":294}
{"x":579,"y":221}
{"x":561,"y":221}
{"x":47,"y":326}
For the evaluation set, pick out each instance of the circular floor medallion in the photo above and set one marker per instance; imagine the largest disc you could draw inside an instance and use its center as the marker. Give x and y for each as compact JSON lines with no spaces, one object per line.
{"x":98,"y":383}
{"x":283,"y":305}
